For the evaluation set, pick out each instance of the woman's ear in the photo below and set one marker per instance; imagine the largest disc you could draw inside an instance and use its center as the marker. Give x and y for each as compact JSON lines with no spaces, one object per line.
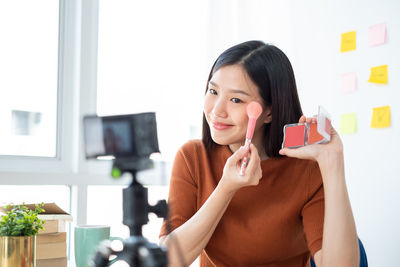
{"x":267,"y":115}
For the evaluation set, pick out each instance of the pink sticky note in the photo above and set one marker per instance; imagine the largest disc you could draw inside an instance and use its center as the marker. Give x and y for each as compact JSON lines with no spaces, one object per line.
{"x":348,"y":82}
{"x":377,"y":34}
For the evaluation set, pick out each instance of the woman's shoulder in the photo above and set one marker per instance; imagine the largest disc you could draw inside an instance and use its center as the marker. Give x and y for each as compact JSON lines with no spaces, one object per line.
{"x":192,"y":154}
{"x":193,"y":146}
{"x":193,"y":151}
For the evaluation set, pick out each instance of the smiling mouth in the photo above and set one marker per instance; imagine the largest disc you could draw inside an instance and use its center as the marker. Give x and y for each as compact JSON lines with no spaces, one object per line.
{"x":221,"y":126}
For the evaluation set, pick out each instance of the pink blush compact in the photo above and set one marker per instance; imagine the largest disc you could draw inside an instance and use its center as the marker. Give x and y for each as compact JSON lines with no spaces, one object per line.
{"x":294,"y":135}
{"x":302,"y":134}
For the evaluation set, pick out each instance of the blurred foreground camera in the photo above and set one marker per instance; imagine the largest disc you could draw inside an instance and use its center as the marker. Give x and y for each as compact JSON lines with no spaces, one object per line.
{"x":121,"y":136}
{"x":131,"y":139}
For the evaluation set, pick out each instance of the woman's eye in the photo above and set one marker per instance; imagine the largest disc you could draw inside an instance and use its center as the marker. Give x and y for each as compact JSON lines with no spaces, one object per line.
{"x":212,"y":91}
{"x":236,"y":100}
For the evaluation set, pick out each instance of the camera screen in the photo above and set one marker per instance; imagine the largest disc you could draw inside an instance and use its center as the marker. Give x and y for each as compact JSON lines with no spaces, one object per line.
{"x":107,"y":137}
{"x":121,"y":136}
{"x":117,"y":137}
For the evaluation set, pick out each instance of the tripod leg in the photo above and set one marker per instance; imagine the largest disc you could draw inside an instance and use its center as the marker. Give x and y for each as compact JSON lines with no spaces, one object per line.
{"x":103,"y":253}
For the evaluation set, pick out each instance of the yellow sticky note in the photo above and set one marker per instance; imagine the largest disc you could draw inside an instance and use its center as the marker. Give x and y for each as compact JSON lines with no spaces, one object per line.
{"x":380,"y":117}
{"x":379,"y":74}
{"x":348,"y":123}
{"x":348,"y":42}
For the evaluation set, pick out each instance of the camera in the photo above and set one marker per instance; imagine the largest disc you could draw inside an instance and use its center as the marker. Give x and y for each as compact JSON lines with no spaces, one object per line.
{"x":121,"y":136}
{"x":130,"y":139}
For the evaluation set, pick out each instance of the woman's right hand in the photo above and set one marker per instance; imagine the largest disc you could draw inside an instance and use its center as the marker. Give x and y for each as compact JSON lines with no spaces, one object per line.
{"x":231,"y":179}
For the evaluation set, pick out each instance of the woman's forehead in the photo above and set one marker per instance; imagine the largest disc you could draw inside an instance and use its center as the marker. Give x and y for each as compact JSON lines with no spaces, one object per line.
{"x":234,"y":77}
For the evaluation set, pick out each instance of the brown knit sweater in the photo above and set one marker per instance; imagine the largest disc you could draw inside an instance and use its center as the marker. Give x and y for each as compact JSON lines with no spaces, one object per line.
{"x":279,"y":222}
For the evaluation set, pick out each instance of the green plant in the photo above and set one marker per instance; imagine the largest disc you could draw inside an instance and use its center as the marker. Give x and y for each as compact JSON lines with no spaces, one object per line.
{"x":21,"y":221}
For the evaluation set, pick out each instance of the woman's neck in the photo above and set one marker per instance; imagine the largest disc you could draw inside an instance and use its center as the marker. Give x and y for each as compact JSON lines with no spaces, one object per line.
{"x":260,"y":147}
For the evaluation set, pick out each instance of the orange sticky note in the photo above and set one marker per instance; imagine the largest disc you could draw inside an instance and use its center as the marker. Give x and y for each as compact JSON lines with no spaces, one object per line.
{"x":380,"y":117}
{"x":348,"y":42}
{"x":379,"y":74}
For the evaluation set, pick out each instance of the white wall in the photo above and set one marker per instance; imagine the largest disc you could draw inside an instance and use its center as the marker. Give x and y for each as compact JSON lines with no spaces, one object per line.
{"x":234,"y":21}
{"x":371,"y":155}
{"x":309,"y":33}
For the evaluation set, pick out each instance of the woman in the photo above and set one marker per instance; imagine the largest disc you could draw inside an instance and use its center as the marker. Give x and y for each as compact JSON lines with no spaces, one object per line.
{"x":289,"y":205}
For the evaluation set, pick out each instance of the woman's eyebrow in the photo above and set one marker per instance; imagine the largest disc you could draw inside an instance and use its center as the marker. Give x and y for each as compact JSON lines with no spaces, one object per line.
{"x":235,"y":91}
{"x":213,"y":83}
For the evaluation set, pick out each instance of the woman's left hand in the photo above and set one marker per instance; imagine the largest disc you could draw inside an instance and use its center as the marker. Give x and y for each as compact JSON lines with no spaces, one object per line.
{"x":317,"y":152}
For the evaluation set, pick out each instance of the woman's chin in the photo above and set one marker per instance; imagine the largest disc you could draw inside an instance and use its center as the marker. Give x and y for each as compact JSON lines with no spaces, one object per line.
{"x":220,"y":141}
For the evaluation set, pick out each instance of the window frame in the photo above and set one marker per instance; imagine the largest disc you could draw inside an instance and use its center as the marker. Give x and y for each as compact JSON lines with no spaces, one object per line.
{"x":76,"y":97}
{"x":60,"y":163}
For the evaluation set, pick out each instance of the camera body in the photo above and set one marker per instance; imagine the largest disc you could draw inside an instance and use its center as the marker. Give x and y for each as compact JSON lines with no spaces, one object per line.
{"x":122,"y":136}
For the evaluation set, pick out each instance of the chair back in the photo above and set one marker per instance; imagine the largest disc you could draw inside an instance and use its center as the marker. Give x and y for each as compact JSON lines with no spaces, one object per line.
{"x":363,"y":256}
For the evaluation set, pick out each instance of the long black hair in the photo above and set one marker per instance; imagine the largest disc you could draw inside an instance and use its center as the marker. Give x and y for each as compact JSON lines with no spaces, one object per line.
{"x":270,"y":69}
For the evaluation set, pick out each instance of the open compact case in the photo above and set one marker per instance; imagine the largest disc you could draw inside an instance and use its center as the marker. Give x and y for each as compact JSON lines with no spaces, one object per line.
{"x":302,"y":134}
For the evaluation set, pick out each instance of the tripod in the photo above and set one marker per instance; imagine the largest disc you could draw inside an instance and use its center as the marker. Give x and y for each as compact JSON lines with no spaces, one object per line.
{"x":137,"y":251}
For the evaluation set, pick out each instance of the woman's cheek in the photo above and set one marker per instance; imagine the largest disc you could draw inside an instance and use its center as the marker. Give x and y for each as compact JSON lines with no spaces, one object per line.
{"x":208,"y":105}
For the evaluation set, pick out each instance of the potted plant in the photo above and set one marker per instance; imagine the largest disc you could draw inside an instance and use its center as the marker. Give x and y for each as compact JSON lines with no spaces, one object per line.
{"x":18,"y":230}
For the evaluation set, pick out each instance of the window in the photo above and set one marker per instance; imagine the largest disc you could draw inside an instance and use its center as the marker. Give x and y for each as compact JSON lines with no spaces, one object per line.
{"x":152,"y":57}
{"x":28,"y":83}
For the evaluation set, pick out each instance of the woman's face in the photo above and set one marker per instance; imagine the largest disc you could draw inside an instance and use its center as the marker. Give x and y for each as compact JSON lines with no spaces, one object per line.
{"x":229,"y":92}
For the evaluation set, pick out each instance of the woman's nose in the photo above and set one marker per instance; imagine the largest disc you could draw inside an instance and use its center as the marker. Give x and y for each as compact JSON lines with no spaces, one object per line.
{"x":219,"y":109}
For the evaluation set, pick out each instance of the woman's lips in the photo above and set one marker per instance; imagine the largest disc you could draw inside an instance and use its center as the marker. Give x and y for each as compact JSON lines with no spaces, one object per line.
{"x":220,"y":126}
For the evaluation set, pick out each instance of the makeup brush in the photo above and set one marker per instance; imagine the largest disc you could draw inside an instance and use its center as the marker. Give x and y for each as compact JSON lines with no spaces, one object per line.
{"x":254,"y":111}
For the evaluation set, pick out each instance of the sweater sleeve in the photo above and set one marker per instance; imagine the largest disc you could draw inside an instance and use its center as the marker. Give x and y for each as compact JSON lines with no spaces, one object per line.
{"x":182,"y":196}
{"x":313,"y":210}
